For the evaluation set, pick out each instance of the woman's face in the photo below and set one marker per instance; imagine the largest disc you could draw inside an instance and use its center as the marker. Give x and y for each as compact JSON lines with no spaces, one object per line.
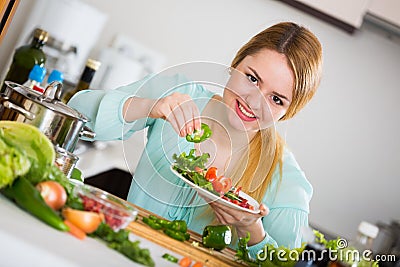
{"x":259,"y":91}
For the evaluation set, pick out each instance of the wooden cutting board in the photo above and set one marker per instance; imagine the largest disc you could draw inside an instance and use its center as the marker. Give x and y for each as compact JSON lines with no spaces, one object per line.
{"x":208,"y":257}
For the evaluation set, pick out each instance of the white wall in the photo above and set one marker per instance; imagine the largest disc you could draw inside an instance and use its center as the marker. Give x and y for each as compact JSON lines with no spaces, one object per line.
{"x":346,"y":139}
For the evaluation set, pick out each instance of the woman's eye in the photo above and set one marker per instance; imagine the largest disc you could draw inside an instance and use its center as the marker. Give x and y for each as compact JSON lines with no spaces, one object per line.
{"x":252,"y":79}
{"x":277,"y":100}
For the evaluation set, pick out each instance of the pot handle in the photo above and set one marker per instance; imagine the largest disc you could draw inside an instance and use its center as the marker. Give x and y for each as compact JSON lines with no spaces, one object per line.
{"x":87,"y":132}
{"x":10,"y":105}
{"x":53,"y":91}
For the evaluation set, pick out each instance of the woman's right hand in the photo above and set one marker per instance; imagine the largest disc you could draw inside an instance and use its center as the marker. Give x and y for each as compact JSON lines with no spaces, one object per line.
{"x":179,"y":110}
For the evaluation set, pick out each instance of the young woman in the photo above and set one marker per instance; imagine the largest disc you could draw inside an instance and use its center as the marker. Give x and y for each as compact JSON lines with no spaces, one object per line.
{"x":271,"y":78}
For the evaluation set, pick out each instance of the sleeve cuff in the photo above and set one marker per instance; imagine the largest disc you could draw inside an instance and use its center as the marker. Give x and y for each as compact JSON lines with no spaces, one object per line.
{"x":256,"y":248}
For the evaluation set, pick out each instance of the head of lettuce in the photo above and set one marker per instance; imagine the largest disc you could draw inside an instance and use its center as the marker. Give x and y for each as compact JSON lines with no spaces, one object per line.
{"x":24,"y":151}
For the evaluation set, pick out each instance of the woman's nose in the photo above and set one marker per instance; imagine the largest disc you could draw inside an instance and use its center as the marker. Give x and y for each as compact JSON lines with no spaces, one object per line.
{"x":255,"y":101}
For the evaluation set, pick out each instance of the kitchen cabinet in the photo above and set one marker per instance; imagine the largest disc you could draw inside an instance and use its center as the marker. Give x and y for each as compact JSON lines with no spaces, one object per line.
{"x":7,"y":9}
{"x":387,"y":10}
{"x":350,"y":12}
{"x":345,"y":14}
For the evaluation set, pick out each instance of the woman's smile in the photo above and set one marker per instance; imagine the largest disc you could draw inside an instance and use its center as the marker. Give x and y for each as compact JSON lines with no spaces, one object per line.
{"x":244,"y":113}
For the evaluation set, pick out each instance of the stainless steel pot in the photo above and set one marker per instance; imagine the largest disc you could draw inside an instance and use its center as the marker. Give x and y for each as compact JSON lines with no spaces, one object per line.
{"x":62,"y":124}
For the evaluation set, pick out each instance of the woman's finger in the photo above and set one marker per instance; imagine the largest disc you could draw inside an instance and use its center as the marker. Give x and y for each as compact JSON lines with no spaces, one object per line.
{"x":220,"y":218}
{"x":163,"y":111}
{"x":183,"y":113}
{"x":196,"y":122}
{"x":192,"y":116}
{"x":223,"y":217}
{"x":179,"y":118}
{"x":264,"y":210}
{"x":238,"y":217}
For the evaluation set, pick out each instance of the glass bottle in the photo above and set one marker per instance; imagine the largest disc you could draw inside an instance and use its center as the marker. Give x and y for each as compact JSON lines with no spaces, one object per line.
{"x":86,"y":78}
{"x":27,"y":56}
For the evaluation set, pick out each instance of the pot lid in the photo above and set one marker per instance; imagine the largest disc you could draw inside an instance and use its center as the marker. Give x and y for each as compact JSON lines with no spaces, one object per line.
{"x":50,"y":99}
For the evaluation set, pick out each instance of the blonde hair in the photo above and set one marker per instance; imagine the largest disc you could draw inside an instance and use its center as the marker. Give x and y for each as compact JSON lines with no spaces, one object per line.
{"x":303,"y":52}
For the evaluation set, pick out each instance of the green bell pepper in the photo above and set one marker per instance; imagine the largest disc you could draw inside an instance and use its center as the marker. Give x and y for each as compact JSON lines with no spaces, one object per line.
{"x":176,"y":229}
{"x":178,"y":225}
{"x":217,"y":236}
{"x":177,"y":235}
{"x":196,"y":137}
{"x":170,"y":258}
{"x":153,"y":224}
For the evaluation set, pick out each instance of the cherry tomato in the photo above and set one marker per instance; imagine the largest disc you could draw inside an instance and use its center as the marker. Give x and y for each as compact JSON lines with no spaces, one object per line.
{"x":237,"y":190}
{"x":87,"y":221}
{"x":222,"y":184}
{"x":53,"y":194}
{"x":211,"y":174}
{"x":185,"y":262}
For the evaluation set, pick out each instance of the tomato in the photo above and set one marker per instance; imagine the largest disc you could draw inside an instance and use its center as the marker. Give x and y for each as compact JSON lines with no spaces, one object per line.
{"x":211,"y":174}
{"x":53,"y":194}
{"x":237,"y":190}
{"x":185,"y":262}
{"x":198,"y":264}
{"x":222,"y":184}
{"x":87,"y":221}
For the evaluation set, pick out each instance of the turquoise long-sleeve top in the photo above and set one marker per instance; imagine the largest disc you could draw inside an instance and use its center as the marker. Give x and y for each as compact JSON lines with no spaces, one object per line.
{"x":158,"y":190}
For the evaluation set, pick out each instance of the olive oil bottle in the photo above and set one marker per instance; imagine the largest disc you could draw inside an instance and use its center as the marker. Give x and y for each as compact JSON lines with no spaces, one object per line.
{"x":27,"y":56}
{"x":86,"y":78}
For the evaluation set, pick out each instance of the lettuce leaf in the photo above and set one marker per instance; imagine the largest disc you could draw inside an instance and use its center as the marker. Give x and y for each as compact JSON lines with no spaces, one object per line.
{"x":24,"y":151}
{"x":29,"y":139}
{"x":13,"y":163}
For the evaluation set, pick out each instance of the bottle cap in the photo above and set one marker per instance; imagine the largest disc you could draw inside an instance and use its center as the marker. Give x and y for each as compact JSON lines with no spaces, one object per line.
{"x":41,"y":34}
{"x":55,"y":75}
{"x":368,"y":229}
{"x":37,"y":73}
{"x":93,"y":64}
{"x":38,"y":89}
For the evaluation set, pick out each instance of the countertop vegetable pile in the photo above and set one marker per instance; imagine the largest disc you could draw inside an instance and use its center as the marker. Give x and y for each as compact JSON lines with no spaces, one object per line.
{"x":29,"y":177}
{"x":27,"y":159}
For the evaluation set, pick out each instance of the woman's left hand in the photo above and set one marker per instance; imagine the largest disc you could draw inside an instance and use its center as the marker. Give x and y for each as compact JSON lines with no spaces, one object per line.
{"x":243,"y":221}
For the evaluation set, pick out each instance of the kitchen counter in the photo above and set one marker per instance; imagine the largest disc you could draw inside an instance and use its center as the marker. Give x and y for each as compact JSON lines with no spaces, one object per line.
{"x":27,"y":241}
